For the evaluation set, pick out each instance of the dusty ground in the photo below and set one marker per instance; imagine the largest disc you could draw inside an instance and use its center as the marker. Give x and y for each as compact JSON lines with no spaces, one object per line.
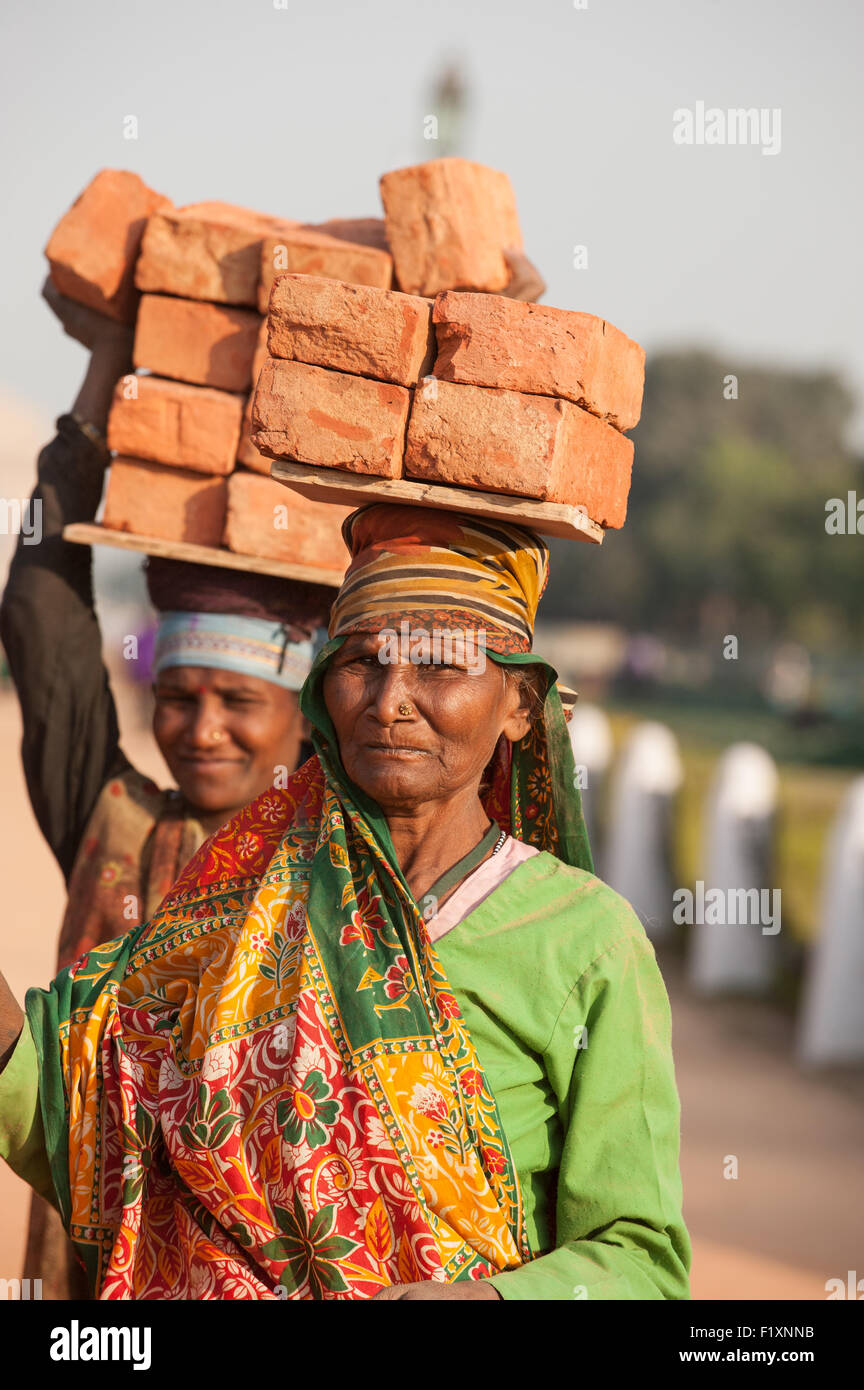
{"x":790,"y":1221}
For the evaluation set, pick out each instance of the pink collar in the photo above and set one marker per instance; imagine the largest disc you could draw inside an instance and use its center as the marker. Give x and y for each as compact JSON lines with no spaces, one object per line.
{"x":478,"y":885}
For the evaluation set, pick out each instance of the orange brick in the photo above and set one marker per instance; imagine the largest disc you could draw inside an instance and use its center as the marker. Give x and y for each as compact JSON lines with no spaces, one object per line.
{"x":172,"y":504}
{"x":485,"y":340}
{"x":368,"y":231}
{"x":171,"y":422}
{"x":448,"y":223}
{"x":307,"y":252}
{"x":92,"y":249}
{"x":529,"y":446}
{"x":206,"y":251}
{"x":205,"y":344}
{"x":352,"y":328}
{"x":330,"y":418}
{"x":247,"y":454}
{"x":266,"y":518}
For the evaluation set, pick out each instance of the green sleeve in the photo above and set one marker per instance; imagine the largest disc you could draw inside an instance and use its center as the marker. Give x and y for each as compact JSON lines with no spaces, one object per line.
{"x":22,"y":1136}
{"x":619,"y":1227}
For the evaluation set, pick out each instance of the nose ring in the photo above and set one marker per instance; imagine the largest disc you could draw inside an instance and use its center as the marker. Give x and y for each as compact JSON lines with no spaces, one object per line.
{"x":217,"y":736}
{"x":405,"y":708}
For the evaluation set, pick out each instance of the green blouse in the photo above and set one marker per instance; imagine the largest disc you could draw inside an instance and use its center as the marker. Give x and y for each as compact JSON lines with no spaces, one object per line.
{"x":561,"y":992}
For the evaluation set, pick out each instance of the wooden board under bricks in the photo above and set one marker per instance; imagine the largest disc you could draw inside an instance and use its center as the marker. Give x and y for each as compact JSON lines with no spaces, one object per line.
{"x":91,"y":533}
{"x":355,"y":490}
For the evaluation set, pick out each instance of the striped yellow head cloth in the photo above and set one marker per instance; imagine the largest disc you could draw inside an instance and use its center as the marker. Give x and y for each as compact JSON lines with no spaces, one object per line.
{"x":440,"y":569}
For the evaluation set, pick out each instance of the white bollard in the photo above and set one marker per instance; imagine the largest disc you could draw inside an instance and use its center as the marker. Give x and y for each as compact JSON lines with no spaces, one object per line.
{"x":591,"y":741}
{"x":735,"y":934}
{"x":832,"y":1021}
{"x":638,"y":855}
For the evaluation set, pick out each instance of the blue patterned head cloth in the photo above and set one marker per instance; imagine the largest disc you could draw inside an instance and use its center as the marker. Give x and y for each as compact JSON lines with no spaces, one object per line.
{"x":250,"y":646}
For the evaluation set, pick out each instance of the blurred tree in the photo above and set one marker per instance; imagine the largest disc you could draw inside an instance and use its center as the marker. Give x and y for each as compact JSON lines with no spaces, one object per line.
{"x":727,"y":512}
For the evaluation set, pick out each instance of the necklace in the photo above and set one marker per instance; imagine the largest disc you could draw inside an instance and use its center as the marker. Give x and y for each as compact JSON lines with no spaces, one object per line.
{"x":499,"y":843}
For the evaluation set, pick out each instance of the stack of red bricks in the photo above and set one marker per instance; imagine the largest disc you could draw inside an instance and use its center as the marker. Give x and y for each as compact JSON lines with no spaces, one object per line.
{"x":195,"y":282}
{"x":387,"y":351}
{"x":468,"y":388}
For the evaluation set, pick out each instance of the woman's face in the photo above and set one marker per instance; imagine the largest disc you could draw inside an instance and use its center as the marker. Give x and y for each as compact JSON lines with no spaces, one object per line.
{"x":223,"y":735}
{"x":440,"y":740}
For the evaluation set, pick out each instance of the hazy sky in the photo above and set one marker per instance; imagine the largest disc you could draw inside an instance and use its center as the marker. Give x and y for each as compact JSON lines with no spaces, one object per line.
{"x":298,"y":110}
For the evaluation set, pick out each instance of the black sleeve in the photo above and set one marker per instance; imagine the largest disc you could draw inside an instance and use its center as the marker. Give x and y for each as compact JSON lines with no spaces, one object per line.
{"x":50,"y":633}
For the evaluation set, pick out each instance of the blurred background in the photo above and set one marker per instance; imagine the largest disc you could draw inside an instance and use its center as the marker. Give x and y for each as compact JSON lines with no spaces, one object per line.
{"x":725,"y":613}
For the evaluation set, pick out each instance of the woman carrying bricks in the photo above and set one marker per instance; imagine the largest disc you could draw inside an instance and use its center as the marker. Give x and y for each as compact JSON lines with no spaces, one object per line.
{"x":388,"y":1036}
{"x":232,"y":652}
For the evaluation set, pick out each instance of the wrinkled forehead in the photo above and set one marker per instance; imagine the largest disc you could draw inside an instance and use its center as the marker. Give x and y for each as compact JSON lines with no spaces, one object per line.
{"x":413,"y":643}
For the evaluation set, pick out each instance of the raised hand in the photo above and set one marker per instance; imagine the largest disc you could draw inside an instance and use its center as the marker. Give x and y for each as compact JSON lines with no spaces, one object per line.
{"x":526,"y":282}
{"x":88,"y":327}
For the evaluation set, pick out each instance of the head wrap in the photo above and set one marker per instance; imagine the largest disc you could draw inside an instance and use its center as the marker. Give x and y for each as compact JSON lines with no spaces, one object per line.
{"x":249,"y":646}
{"x":440,"y":567}
{"x":236,"y":620}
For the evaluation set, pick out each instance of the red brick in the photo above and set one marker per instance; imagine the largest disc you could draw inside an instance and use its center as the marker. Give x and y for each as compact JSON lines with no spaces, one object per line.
{"x":93,"y":248}
{"x":171,"y":422}
{"x":330,"y":418}
{"x":247,"y":454}
{"x":205,"y":344}
{"x":352,"y":328}
{"x":307,"y":252}
{"x":172,"y":504}
{"x":485,"y":340}
{"x":529,"y":446}
{"x":367,"y":231}
{"x":206,"y":251}
{"x":448,"y":223}
{"x":266,"y":518}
